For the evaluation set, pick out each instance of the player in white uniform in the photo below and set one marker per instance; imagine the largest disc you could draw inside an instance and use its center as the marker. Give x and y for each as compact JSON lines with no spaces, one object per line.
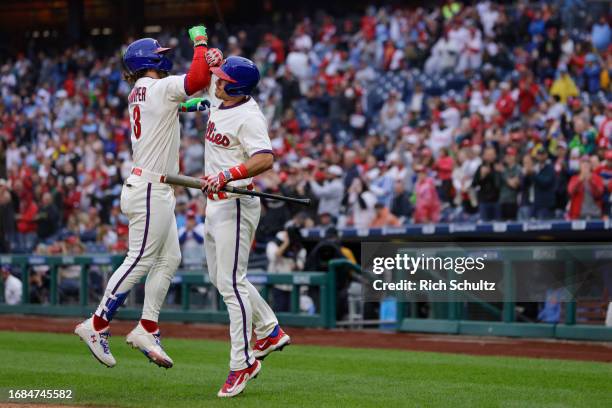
{"x":149,"y":204}
{"x":237,"y":148}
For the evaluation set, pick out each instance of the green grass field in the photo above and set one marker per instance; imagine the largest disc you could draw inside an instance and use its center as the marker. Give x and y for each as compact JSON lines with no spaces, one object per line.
{"x":300,"y":376}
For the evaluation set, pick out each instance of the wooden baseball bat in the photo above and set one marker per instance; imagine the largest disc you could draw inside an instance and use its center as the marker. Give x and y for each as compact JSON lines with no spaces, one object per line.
{"x":192,"y":182}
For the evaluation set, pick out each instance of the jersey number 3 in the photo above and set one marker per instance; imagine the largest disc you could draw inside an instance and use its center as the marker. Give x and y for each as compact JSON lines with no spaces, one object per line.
{"x":136,"y":116}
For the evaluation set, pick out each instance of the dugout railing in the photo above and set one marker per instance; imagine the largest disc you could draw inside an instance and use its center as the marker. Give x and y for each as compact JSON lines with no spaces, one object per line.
{"x":184,"y":289}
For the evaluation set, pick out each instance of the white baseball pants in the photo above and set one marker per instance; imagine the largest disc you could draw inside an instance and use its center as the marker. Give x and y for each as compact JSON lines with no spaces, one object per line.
{"x":153,"y":248}
{"x":229,"y":231}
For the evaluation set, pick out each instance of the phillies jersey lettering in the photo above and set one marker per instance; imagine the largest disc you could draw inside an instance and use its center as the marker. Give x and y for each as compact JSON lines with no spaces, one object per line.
{"x":153,"y":107}
{"x":234,"y":134}
{"x":216,"y":138}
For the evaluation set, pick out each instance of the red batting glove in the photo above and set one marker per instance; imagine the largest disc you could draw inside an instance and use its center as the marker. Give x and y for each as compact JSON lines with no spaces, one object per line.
{"x":214,"y":57}
{"x":216,"y":183}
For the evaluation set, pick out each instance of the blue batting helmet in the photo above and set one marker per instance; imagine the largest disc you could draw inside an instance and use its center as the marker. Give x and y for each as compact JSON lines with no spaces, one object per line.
{"x":241,"y":74}
{"x":146,"y":53}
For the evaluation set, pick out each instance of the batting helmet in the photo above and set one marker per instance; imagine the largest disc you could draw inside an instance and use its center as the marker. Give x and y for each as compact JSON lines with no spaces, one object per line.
{"x":241,"y":74}
{"x":146,"y":53}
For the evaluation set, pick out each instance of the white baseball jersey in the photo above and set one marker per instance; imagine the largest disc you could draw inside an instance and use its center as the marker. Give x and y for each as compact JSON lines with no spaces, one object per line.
{"x":233,"y":135}
{"x":153,"y":107}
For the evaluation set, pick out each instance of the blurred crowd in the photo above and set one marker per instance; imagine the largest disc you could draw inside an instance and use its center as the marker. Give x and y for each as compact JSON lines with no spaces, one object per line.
{"x":401,"y":115}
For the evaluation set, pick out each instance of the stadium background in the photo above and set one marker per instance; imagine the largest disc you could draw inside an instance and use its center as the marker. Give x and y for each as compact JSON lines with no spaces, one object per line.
{"x":372,"y":115}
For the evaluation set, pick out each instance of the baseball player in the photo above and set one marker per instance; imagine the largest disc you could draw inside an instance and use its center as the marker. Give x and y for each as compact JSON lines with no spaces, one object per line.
{"x":237,"y":148}
{"x":149,"y":204}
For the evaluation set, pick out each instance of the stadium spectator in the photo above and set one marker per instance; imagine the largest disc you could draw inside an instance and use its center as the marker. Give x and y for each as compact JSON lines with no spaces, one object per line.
{"x":401,"y":206}
{"x":360,"y":202}
{"x":285,"y":254}
{"x":544,"y":180}
{"x":601,"y":34}
{"x":562,"y":176}
{"x":585,"y":190}
{"x":48,"y":218}
{"x":191,"y":239}
{"x":510,"y":180}
{"x":330,"y":193}
{"x":427,"y":208}
{"x":26,"y":223}
{"x":592,"y":74}
{"x":487,"y":182}
{"x":384,"y":218}
{"x":564,"y":87}
{"x":13,"y":287}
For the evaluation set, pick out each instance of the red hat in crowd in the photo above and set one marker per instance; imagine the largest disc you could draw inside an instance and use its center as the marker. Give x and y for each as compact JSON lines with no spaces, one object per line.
{"x":511,"y":151}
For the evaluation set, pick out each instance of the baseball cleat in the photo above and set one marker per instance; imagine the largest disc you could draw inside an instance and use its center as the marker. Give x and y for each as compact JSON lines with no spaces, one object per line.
{"x":276,"y":341}
{"x":97,"y":341}
{"x":237,"y":380}
{"x":150,"y":345}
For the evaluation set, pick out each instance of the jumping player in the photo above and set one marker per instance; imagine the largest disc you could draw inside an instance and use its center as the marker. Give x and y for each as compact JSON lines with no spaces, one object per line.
{"x":237,"y":148}
{"x":149,"y":204}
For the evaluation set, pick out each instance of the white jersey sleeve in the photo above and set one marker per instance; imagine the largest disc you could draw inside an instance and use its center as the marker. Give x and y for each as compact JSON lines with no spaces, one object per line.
{"x":173,"y":87}
{"x":253,"y":135}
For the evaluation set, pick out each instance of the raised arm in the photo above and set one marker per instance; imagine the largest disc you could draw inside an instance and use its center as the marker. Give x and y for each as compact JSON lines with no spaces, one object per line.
{"x":198,"y":76}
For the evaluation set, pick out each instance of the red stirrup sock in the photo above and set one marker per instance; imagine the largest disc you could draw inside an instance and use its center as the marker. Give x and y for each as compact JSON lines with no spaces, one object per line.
{"x":99,"y":323}
{"x":149,"y":325}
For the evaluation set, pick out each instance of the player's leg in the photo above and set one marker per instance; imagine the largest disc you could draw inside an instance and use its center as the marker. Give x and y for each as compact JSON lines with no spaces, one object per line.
{"x":210,"y":246}
{"x":144,"y":239}
{"x":232,"y":243}
{"x":146,"y":335}
{"x":269,"y":335}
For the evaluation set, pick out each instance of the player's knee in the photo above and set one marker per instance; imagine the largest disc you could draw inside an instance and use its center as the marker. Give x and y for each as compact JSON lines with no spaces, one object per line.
{"x":173,"y":260}
{"x":226,"y":289}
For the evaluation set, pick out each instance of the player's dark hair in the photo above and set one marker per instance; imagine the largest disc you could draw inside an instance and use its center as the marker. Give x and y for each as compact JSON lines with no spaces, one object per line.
{"x":131,"y":78}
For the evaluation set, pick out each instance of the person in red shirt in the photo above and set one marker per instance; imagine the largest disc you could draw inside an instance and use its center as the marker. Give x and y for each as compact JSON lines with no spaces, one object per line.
{"x":444,"y":167}
{"x":528,"y":91}
{"x":72,"y":197}
{"x":505,"y":104}
{"x":427,"y":200}
{"x":26,"y":223}
{"x":585,"y":190}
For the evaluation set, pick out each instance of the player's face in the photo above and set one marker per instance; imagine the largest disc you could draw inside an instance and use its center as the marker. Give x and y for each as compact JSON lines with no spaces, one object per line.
{"x":220,"y":89}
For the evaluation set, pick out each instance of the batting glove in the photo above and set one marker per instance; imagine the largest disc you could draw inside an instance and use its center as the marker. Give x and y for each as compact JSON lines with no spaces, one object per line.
{"x":198,"y":35}
{"x":214,"y":57}
{"x":214,"y":184}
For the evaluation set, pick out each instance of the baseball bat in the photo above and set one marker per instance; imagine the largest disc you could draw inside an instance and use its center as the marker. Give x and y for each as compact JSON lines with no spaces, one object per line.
{"x":192,"y":182}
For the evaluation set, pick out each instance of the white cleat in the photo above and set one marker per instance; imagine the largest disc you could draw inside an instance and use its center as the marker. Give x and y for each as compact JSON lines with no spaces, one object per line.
{"x":97,"y":341}
{"x":150,"y":345}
